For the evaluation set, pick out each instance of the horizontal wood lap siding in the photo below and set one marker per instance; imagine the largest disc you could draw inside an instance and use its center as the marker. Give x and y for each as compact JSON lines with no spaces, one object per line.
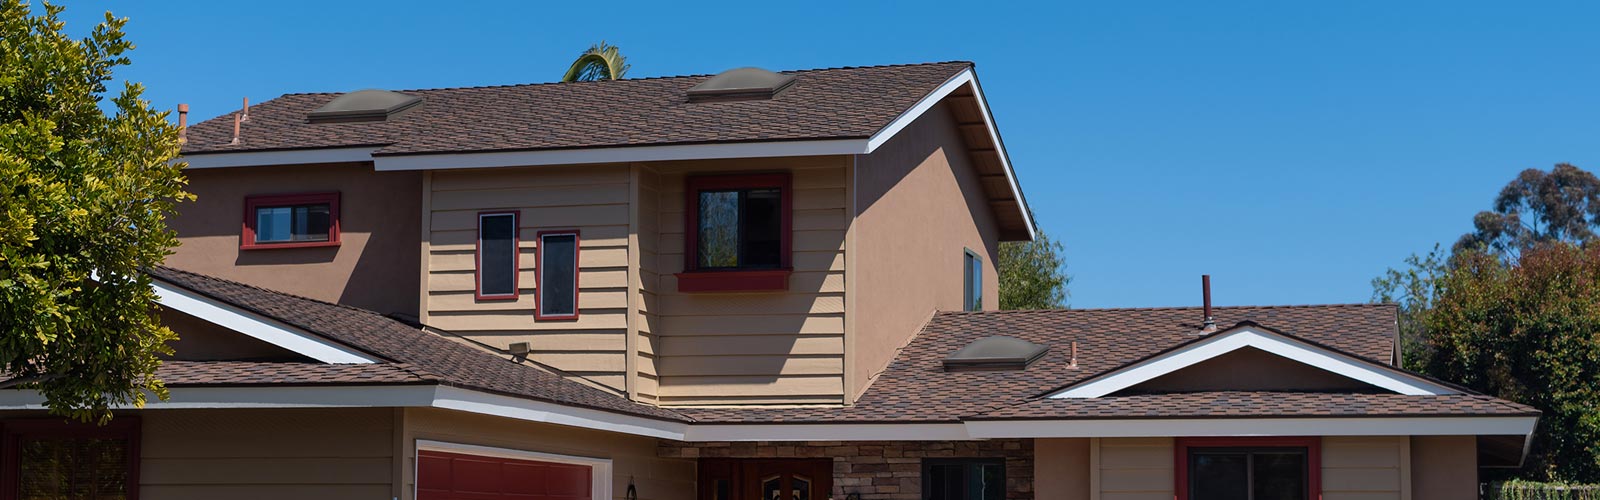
{"x":267,"y":453}
{"x":759,"y":347}
{"x":1366,"y":468}
{"x":1133,"y":468}
{"x":592,"y":199}
{"x":648,"y":214}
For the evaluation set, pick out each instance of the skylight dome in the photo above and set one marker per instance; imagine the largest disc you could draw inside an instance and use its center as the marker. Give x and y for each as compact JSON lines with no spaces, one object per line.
{"x":997,"y":352}
{"x":370,"y":105}
{"x":742,"y":84}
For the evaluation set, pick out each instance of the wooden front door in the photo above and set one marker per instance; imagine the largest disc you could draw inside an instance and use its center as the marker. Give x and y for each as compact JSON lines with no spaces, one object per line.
{"x":765,"y":478}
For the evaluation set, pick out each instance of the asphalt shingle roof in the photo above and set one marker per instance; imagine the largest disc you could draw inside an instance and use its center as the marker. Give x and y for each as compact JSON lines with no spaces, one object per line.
{"x":837,"y":103}
{"x":1236,"y":404}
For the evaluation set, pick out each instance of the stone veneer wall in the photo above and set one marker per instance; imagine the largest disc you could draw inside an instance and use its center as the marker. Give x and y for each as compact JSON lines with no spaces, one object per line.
{"x":876,"y":470}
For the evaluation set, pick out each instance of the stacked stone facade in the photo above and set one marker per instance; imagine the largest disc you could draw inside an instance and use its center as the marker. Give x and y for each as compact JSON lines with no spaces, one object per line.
{"x":876,"y":470}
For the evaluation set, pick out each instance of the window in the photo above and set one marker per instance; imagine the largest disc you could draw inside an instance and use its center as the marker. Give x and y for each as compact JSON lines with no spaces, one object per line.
{"x":557,"y":267}
{"x":972,"y":281}
{"x":50,"y":458}
{"x":1248,"y":468}
{"x":738,"y":233}
{"x":964,"y":478}
{"x":291,"y":221}
{"x":497,"y":256}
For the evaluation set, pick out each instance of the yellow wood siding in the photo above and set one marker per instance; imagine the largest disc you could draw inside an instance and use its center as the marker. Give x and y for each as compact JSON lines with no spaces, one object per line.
{"x":752,"y":348}
{"x":593,"y":199}
{"x":267,"y":454}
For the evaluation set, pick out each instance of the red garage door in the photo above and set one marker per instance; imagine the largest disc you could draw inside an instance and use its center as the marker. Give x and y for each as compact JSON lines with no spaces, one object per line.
{"x":456,"y":476}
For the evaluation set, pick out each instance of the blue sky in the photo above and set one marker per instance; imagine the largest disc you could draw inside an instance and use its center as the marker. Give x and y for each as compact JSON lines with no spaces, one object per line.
{"x":1293,"y":150}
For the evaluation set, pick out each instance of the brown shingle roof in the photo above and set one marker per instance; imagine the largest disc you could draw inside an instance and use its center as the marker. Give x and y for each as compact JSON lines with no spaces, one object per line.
{"x":414,"y":350}
{"x":180,"y":373}
{"x":915,"y":386}
{"x":836,"y":103}
{"x":1236,"y":404}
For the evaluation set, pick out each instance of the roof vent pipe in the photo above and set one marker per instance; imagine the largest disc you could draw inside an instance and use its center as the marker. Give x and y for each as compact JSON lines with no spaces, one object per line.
{"x":183,"y":123}
{"x":245,"y":111}
{"x":1210,"y":324}
{"x":235,"y":129}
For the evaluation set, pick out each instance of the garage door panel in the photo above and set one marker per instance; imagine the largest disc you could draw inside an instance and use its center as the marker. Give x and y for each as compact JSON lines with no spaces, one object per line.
{"x":456,"y":476}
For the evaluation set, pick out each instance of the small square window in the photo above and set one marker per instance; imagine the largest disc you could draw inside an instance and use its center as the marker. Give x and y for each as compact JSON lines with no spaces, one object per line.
{"x":738,"y":233}
{"x":291,"y":221}
{"x":972,"y":281}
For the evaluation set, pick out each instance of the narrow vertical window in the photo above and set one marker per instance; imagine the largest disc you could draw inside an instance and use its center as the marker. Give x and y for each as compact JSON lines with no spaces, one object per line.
{"x":972,"y":281}
{"x":557,"y":289}
{"x":497,"y":255}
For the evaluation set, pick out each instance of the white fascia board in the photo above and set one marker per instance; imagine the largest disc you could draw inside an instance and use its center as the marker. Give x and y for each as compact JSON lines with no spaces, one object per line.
{"x":288,"y":157}
{"x":828,"y":432}
{"x":620,"y":154}
{"x":256,"y":326}
{"x":467,"y":400}
{"x":1361,"y":426}
{"x":1229,"y":341}
{"x":600,"y":468}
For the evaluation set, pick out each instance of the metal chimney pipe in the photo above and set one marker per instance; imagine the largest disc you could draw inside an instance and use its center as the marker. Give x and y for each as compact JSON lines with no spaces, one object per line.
{"x":235,"y":129}
{"x":183,"y":123}
{"x":245,"y":111}
{"x":1205,"y":290}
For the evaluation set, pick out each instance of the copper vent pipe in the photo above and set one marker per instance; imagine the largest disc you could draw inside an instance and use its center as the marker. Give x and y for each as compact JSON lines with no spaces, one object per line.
{"x":183,"y":123}
{"x":245,"y":110}
{"x":1205,"y":291}
{"x":1073,"y":361}
{"x":235,"y":129}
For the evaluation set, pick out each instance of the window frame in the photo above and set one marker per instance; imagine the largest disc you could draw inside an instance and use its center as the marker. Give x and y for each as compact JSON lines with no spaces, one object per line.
{"x":695,"y":279}
{"x":964,"y":462}
{"x":516,"y":257}
{"x":969,"y":280}
{"x":1312,"y":445}
{"x":247,"y":233}
{"x":14,"y":430}
{"x":577,"y":274}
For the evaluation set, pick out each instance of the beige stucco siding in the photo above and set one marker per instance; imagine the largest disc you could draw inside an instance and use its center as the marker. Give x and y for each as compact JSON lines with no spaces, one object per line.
{"x":1444,"y":467}
{"x":1061,"y":468}
{"x":1250,"y":369}
{"x":633,"y":458}
{"x":593,"y":199}
{"x":919,"y":204}
{"x":374,"y":266}
{"x":1366,"y":468}
{"x":780,"y":347}
{"x":267,"y":454}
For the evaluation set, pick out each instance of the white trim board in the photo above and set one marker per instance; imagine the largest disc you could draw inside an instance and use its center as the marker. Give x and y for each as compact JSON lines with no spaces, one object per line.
{"x":1164,"y":427}
{"x":290,"y":157}
{"x":256,"y":326}
{"x":600,"y":476}
{"x":1246,"y":336}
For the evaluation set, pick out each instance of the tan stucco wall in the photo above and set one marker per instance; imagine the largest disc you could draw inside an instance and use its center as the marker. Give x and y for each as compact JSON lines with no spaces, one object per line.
{"x":919,"y":203}
{"x":1250,"y":369}
{"x":1444,"y":467}
{"x":374,"y":267}
{"x":267,"y":454}
{"x":764,"y":347}
{"x":594,"y":199}
{"x":1061,"y":469}
{"x":633,"y":457}
{"x":1353,"y":468}
{"x":200,"y":340}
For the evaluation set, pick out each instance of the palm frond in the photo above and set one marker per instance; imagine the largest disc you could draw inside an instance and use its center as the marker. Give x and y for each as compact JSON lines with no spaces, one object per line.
{"x":602,"y":61}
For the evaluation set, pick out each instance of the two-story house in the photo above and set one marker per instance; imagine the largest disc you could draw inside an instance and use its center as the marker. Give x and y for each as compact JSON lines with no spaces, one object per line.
{"x":725,"y":287}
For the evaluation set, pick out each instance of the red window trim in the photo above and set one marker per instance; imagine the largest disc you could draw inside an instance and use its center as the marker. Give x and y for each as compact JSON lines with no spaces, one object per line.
{"x":577,"y":274}
{"x":694,"y":279}
{"x":1312,"y":444}
{"x":516,"y":258}
{"x":124,"y":427}
{"x":247,"y":238}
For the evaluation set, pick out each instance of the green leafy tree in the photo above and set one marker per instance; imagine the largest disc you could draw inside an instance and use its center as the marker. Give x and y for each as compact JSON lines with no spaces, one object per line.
{"x":1412,"y":289}
{"x":1528,"y":330}
{"x":602,"y":61}
{"x":83,"y":199}
{"x":1033,"y":274}
{"x":1562,"y":205}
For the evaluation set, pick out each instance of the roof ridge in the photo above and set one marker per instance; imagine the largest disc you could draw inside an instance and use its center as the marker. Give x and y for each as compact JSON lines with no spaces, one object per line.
{"x":1169,"y":308}
{"x":640,"y":79}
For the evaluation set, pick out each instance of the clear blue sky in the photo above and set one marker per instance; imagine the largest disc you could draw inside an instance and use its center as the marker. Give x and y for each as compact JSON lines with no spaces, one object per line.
{"x":1293,"y":150}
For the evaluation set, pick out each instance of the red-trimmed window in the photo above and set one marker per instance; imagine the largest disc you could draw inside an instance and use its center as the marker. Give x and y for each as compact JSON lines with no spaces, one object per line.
{"x":497,"y":258}
{"x":556,"y":293}
{"x":52,"y":458}
{"x":738,"y":233}
{"x":290,"y":221}
{"x":1264,"y":468}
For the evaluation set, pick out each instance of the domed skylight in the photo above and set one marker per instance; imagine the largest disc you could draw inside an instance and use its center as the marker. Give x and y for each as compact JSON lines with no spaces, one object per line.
{"x":370,"y":105}
{"x":741,"y":84}
{"x":997,"y":352}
